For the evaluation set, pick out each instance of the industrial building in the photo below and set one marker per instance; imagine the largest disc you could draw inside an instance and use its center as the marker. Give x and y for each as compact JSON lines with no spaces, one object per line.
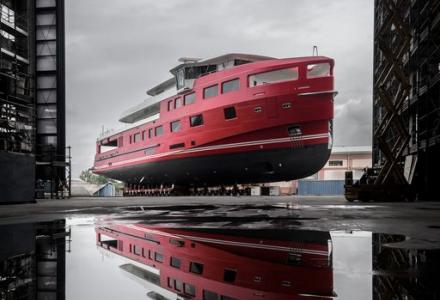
{"x":330,"y":179}
{"x":32,"y":98}
{"x":406,"y":104}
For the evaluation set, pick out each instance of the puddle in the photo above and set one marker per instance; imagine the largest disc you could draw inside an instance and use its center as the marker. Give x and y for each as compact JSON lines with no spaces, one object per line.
{"x":106,"y":258}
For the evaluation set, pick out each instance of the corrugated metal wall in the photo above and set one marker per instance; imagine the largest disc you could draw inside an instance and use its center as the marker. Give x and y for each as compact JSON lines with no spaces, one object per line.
{"x":320,"y":187}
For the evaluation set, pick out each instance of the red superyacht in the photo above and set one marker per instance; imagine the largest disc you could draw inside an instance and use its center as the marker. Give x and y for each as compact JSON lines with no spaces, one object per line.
{"x":226,"y":264}
{"x":233,"y":119}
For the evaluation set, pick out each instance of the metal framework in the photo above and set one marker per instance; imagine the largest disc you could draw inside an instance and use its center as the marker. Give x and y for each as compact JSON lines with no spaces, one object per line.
{"x":16,"y":77}
{"x":52,"y":162}
{"x":406,"y":111}
{"x":32,"y":99}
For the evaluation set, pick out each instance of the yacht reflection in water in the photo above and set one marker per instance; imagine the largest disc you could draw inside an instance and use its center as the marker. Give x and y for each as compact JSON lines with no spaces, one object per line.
{"x":224,"y":264}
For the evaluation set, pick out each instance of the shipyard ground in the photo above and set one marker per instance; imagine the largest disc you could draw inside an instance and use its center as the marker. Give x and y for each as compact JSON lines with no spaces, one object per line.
{"x":419,"y":221}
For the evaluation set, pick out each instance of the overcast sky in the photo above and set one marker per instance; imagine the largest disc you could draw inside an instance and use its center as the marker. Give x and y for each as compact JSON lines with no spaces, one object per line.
{"x":118,"y":49}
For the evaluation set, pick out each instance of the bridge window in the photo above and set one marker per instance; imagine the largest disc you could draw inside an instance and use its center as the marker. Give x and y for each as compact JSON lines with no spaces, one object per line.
{"x":178,"y":102}
{"x":137,"y":137}
{"x":175,"y":126}
{"x":190,"y":98}
{"x":230,"y":113}
{"x":276,"y":76}
{"x":158,"y":130}
{"x":210,"y":91}
{"x":196,"y":120}
{"x":229,"y":86}
{"x":318,"y":70}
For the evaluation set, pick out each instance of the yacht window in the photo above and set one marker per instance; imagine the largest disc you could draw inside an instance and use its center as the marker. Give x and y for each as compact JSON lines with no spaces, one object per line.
{"x":190,"y":98}
{"x":229,"y":86}
{"x":196,"y":120}
{"x":178,"y":285}
{"x":175,"y":126}
{"x":150,"y":133}
{"x":196,"y":268}
{"x":120,"y":141}
{"x":211,"y":91}
{"x":189,"y":289}
{"x":273,"y":76}
{"x":158,"y":130}
{"x":208,"y":295}
{"x":170,"y":105}
{"x":158,"y":257}
{"x":137,"y":250}
{"x":230,"y":113}
{"x":318,"y":70}
{"x":144,"y":135}
{"x":229,"y":275}
{"x":137,"y":137}
{"x":180,"y":78}
{"x":178,"y":102}
{"x":175,"y":262}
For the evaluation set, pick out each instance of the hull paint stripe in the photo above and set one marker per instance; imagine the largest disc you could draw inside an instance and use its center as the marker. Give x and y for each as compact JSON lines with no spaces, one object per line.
{"x":254,"y":245}
{"x":219,"y":147}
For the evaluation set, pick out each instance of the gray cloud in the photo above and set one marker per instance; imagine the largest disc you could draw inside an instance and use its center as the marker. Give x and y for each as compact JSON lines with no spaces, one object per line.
{"x":116,"y":50}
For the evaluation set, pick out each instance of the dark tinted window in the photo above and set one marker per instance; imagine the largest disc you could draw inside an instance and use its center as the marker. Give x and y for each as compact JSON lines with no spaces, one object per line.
{"x":196,"y":120}
{"x":150,"y":133}
{"x":170,"y":105}
{"x":222,"y":297}
{"x":335,"y":163}
{"x":137,"y":137}
{"x":207,"y":295}
{"x":190,"y":98}
{"x":230,"y":113}
{"x":175,"y":126}
{"x":158,"y":257}
{"x":211,"y":91}
{"x":229,"y":86}
{"x":196,"y":268}
{"x":190,"y":289}
{"x":229,"y":275}
{"x":158,"y":130}
{"x":178,"y":102}
{"x":175,"y":262}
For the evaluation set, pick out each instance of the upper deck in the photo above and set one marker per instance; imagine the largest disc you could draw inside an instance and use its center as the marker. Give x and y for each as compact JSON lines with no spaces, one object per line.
{"x":194,"y":73}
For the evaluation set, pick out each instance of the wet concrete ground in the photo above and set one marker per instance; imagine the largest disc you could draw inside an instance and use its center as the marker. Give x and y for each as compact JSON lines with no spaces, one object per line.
{"x":334,"y":248}
{"x":420,"y":221}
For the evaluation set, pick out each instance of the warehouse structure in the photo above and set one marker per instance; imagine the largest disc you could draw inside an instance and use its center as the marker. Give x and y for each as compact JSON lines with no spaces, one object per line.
{"x":32,"y":98}
{"x":406,"y":108}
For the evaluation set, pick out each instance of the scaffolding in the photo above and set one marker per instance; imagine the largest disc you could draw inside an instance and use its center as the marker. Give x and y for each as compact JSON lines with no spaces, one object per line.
{"x":17,"y":111}
{"x":406,"y":109}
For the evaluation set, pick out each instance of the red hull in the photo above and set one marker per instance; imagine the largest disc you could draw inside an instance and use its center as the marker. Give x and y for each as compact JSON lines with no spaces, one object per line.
{"x":289,"y":116}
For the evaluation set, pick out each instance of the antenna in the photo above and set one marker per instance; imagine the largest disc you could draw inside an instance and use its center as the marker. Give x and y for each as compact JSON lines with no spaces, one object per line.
{"x":315,"y":49}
